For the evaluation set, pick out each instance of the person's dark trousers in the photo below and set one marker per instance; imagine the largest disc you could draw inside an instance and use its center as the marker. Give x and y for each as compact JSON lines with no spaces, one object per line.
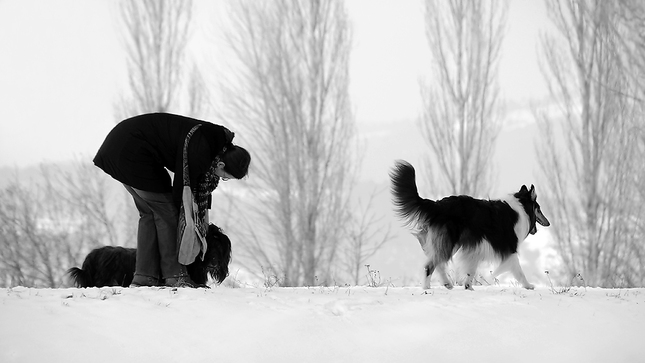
{"x":156,"y":237}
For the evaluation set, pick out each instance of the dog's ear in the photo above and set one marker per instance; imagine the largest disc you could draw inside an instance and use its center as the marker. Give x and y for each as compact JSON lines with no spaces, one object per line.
{"x":523,"y":189}
{"x":533,"y":194}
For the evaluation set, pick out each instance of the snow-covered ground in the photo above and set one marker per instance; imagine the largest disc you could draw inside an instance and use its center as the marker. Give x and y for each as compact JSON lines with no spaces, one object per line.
{"x":322,"y":324}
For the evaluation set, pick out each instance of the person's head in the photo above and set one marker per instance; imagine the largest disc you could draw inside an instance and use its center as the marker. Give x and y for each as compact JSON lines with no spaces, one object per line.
{"x":234,"y":163}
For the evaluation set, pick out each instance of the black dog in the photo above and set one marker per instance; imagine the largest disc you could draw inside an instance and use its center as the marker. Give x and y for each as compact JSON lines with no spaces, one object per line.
{"x":114,"y":266}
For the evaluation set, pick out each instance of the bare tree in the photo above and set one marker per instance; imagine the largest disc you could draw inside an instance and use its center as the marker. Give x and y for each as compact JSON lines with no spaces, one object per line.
{"x":48,"y":225}
{"x":198,"y":93}
{"x":51,"y":225}
{"x":461,"y":114}
{"x":590,"y":148}
{"x":160,"y":77}
{"x":366,"y":235}
{"x":156,"y":34}
{"x":289,"y":94}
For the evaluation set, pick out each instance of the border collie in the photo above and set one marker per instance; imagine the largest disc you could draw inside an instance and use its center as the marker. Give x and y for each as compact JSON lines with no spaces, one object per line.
{"x":114,"y":266}
{"x":484,"y":230}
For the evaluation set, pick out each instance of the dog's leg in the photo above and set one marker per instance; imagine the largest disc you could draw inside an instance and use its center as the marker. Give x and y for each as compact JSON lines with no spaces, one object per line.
{"x":422,"y":237}
{"x":473,"y":257}
{"x":441,"y":268}
{"x":425,"y":240}
{"x":438,"y":241}
{"x":471,"y":270}
{"x":429,"y":269}
{"x":512,"y":263}
{"x":469,"y":259}
{"x":503,"y":267}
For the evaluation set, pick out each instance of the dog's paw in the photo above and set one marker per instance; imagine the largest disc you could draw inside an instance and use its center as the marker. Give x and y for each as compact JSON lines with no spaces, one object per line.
{"x":448,"y":286}
{"x":469,"y":287}
{"x":529,"y":286}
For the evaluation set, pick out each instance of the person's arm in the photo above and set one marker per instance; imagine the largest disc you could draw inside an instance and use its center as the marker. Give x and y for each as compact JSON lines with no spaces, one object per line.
{"x":205,"y":144}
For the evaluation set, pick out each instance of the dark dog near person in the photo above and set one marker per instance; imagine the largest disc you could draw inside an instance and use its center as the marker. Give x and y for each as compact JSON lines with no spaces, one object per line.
{"x":483,"y":230}
{"x":114,"y":266}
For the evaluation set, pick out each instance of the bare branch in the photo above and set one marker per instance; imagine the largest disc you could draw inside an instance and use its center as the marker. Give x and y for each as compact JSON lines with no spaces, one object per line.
{"x":461,"y":115}
{"x":289,"y":94}
{"x":592,"y":187}
{"x":155,"y":37}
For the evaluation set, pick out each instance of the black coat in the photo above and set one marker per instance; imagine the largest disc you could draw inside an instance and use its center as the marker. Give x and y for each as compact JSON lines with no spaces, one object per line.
{"x":138,"y":149}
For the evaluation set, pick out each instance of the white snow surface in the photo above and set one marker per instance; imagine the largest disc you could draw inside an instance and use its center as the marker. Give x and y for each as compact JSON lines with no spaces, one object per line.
{"x":322,"y":324}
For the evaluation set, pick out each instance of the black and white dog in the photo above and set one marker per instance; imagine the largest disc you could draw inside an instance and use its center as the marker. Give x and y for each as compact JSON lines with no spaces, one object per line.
{"x":114,"y":266}
{"x":482,"y":230}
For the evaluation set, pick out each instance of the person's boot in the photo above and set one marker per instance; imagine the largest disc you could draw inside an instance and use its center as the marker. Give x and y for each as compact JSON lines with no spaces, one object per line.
{"x":181,"y":281}
{"x":142,"y":281}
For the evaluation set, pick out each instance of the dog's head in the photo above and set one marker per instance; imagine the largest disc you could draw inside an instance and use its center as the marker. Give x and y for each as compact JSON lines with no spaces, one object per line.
{"x":218,"y":253}
{"x":528,"y":198}
{"x":215,"y":262}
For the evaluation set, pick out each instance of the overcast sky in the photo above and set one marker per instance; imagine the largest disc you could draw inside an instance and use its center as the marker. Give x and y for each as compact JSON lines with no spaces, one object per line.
{"x":62,"y":65}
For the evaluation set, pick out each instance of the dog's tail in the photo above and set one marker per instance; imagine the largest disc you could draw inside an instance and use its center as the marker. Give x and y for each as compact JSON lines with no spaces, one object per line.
{"x":80,"y":278}
{"x":408,"y":204}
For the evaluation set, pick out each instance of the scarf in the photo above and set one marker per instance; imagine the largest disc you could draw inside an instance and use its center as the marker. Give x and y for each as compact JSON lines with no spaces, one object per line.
{"x":206,"y":185}
{"x":193,"y":216}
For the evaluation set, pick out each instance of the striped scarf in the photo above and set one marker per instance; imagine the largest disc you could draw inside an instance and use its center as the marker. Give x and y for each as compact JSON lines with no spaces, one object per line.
{"x":205,"y":187}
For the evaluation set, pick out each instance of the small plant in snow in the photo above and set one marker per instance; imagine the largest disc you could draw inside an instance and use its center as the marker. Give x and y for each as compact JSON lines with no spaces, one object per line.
{"x":233,"y":281}
{"x":622,"y":292}
{"x":373,"y":277}
{"x":568,"y":287}
{"x":271,"y":278}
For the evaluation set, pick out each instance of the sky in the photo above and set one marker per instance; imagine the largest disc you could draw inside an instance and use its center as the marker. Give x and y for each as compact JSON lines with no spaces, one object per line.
{"x":63,"y":66}
{"x":501,"y":324}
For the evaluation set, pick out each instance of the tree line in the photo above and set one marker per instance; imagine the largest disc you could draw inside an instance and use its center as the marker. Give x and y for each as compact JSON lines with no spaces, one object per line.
{"x":286,"y":91}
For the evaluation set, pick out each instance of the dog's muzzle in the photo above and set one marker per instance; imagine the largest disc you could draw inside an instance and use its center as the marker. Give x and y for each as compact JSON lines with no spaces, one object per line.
{"x":541,"y":219}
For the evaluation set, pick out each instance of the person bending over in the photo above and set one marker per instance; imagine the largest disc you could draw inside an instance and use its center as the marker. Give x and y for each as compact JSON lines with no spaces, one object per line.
{"x":137,"y":153}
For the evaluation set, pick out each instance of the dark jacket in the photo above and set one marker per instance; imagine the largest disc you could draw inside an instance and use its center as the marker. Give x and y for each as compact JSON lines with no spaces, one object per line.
{"x":138,"y":149}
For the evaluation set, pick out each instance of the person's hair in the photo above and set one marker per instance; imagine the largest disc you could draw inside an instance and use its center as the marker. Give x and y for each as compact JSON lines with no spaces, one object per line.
{"x":236,"y":161}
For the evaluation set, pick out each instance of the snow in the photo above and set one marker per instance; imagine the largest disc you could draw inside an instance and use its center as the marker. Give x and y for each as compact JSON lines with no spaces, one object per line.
{"x":498,"y":323}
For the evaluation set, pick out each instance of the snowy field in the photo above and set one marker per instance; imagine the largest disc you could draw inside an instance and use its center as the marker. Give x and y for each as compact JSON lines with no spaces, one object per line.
{"x":322,"y":324}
